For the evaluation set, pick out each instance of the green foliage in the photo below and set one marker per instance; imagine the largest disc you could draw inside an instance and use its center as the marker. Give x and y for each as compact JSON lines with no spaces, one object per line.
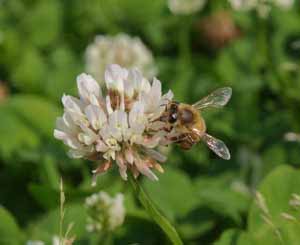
{"x":270,"y":226}
{"x":48,"y":225}
{"x":27,"y":121}
{"x":218,"y":194}
{"x":154,"y":213}
{"x":14,"y":134}
{"x":234,"y":237}
{"x":277,"y":189}
{"x":209,"y":201}
{"x":38,"y":112}
{"x":167,"y":198}
{"x":10,"y":232}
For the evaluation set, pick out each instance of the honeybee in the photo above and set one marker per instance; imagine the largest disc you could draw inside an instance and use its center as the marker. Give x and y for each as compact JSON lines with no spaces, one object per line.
{"x":187,"y":127}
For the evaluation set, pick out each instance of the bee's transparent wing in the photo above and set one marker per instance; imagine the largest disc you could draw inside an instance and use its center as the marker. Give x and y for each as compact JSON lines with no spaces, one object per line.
{"x":218,"y":98}
{"x":217,"y":146}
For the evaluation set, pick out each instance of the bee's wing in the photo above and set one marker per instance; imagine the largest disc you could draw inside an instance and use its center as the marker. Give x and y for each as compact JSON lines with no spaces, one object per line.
{"x":217,"y":146}
{"x":217,"y":99}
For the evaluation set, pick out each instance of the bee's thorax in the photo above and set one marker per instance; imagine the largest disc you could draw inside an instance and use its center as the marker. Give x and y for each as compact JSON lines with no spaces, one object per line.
{"x":186,"y":116}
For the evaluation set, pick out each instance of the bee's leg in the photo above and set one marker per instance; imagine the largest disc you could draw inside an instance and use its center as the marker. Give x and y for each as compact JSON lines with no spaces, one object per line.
{"x":193,"y":138}
{"x":168,"y":129}
{"x":187,"y":142}
{"x":163,"y":118}
{"x":190,"y":139}
{"x":175,"y":139}
{"x":178,"y":138}
{"x":183,"y":137}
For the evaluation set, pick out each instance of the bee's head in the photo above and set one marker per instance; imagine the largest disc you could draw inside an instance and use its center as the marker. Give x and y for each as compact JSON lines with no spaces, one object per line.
{"x":173,"y":112}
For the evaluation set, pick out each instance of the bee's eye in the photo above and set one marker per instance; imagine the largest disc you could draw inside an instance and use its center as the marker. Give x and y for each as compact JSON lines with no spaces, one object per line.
{"x":173,"y":108}
{"x":173,"y":118}
{"x":186,"y":116}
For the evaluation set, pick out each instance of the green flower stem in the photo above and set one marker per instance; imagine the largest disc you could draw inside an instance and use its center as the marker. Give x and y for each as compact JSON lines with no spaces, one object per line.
{"x":262,"y":42}
{"x":105,"y":239}
{"x":147,"y":203}
{"x":216,"y":5}
{"x":184,"y":61}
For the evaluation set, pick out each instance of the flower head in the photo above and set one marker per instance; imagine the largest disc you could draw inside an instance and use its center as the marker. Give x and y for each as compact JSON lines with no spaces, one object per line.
{"x":263,"y":7}
{"x":218,"y":29}
{"x":55,"y":241}
{"x":105,"y":212}
{"x":284,"y":4}
{"x":31,"y":242}
{"x":293,"y":137}
{"x":185,"y":6}
{"x":243,"y":5}
{"x":129,"y":52}
{"x":120,"y":126}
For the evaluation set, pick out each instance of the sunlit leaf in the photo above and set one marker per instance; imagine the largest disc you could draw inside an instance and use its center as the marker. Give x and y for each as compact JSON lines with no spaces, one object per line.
{"x":10,"y":233}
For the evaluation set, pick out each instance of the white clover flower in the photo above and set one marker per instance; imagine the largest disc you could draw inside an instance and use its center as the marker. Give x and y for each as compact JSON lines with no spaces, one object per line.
{"x":31,"y":242}
{"x":126,"y":51}
{"x":291,"y":136}
{"x":55,"y":241}
{"x":295,"y":201}
{"x":185,"y":6}
{"x":263,"y":7}
{"x":284,"y":4}
{"x":106,"y":212}
{"x":243,"y":5}
{"x":64,"y":241}
{"x":120,"y":127}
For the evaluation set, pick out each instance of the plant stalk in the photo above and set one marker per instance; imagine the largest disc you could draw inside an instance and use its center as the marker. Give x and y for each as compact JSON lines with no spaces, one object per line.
{"x":149,"y":206}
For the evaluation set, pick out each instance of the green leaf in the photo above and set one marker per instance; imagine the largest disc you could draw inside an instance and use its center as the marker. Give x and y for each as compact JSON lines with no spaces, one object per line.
{"x":229,"y":237}
{"x":226,"y":67}
{"x":197,"y":223}
{"x":277,"y":189}
{"x":48,"y":197}
{"x":65,"y":66}
{"x":11,"y":47}
{"x":274,"y":156}
{"x":24,"y":76}
{"x":167,"y":193}
{"x":37,"y":112}
{"x":48,"y":226}
{"x":49,"y":171}
{"x":15,"y":135}
{"x":266,"y":225}
{"x":45,"y":196}
{"x":10,"y":233}
{"x":234,"y":237}
{"x":218,"y":193}
{"x":45,"y":14}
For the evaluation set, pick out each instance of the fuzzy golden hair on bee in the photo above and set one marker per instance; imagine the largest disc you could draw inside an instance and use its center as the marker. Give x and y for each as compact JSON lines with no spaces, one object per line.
{"x":187,"y":126}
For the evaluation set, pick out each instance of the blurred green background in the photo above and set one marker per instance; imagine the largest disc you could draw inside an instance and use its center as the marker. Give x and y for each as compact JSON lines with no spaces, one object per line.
{"x":209,"y":200}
